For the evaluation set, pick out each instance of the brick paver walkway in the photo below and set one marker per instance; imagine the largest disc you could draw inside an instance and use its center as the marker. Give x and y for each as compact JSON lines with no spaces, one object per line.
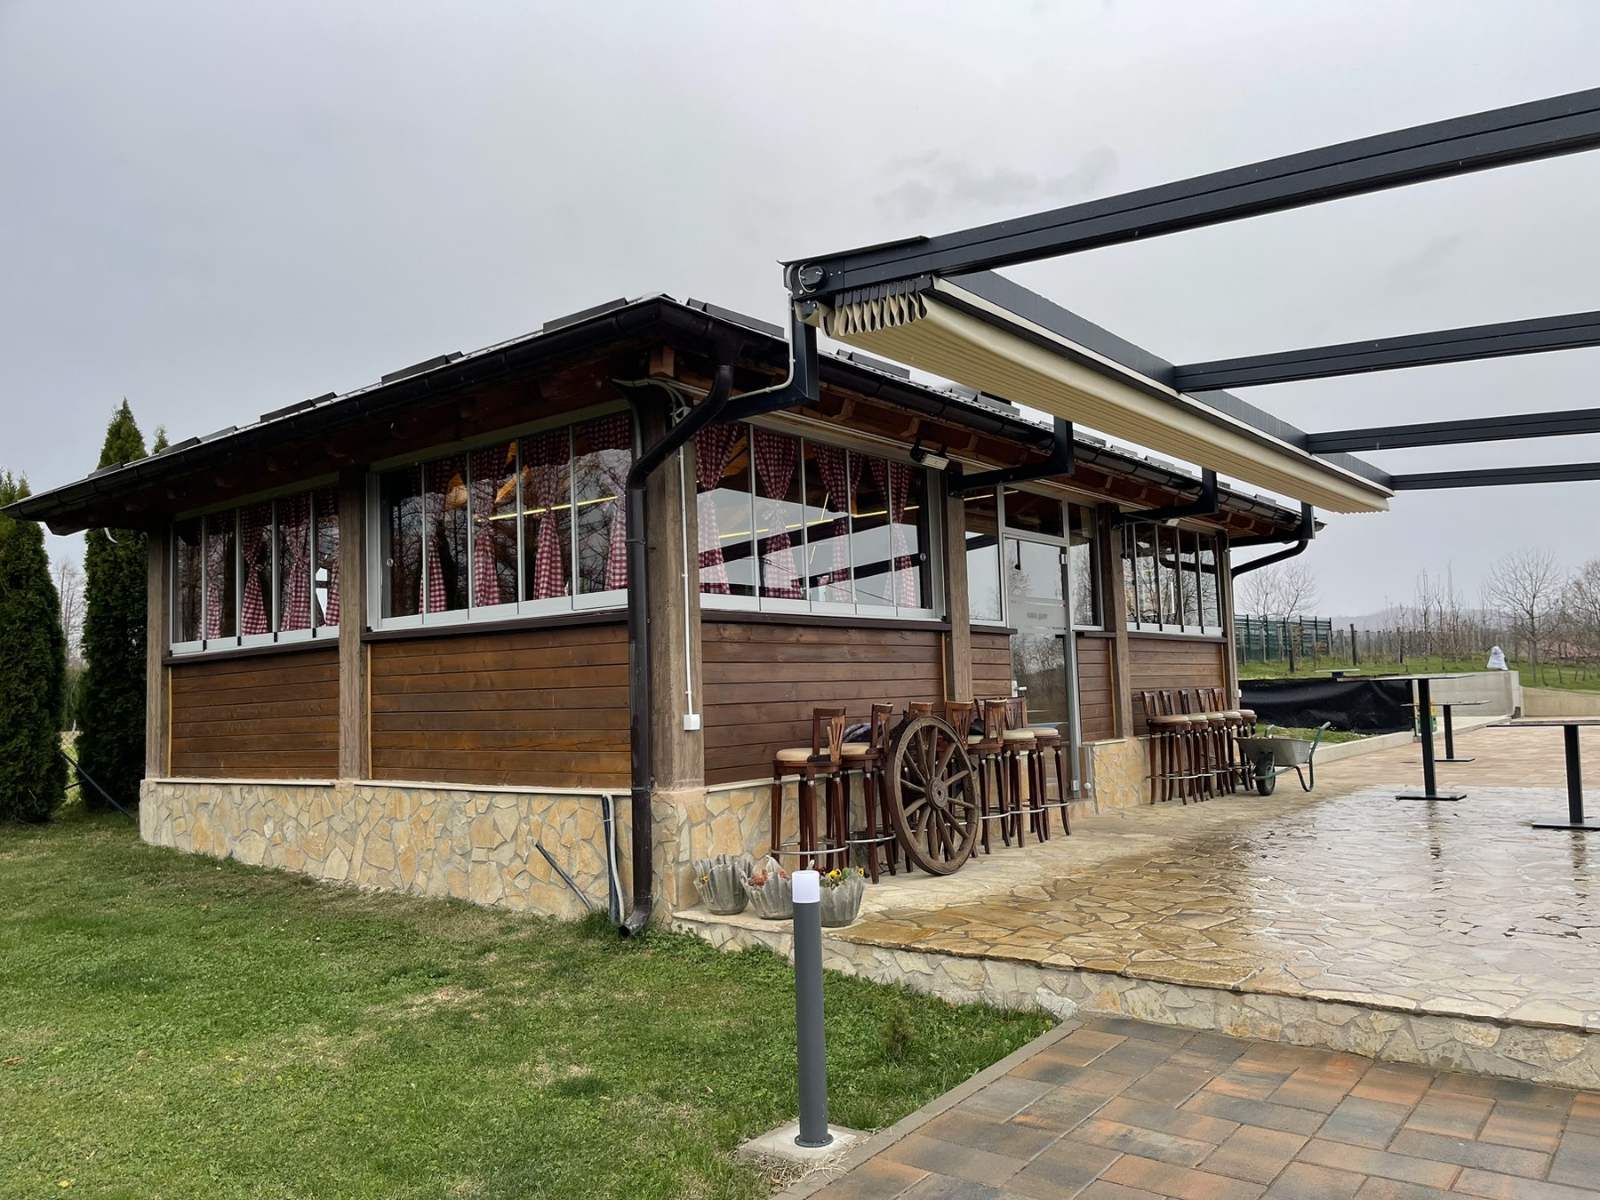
{"x":1111,"y":1109}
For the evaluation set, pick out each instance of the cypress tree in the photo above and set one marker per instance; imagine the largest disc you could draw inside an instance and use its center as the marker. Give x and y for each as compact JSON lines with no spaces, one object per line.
{"x":111,"y":706}
{"x":33,"y":670}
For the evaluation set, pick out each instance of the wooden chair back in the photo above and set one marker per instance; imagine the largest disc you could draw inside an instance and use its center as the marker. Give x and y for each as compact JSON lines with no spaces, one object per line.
{"x":878,"y":729}
{"x":827,"y":735}
{"x":920,"y":708}
{"x":959,"y":715}
{"x":994,"y":720}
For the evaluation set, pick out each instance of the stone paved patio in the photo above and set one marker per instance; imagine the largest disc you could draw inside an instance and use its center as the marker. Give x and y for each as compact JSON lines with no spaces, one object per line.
{"x":1119,"y":1110}
{"x":1347,"y":894}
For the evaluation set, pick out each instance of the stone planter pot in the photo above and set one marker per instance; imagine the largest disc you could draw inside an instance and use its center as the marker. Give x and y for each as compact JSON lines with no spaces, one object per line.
{"x":773,"y":898}
{"x":841,"y":904}
{"x":720,"y":882}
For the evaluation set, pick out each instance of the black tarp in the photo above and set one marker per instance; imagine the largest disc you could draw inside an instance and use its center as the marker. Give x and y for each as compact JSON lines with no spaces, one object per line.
{"x":1358,"y":705}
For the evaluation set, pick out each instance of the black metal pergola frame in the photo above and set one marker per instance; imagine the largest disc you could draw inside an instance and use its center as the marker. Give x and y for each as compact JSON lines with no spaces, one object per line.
{"x":1440,"y":150}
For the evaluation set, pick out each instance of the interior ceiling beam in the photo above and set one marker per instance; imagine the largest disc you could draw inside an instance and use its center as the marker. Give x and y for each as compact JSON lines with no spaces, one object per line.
{"x":1571,"y":331}
{"x":1495,"y":477}
{"x":1451,"y":433}
{"x":1500,"y":137}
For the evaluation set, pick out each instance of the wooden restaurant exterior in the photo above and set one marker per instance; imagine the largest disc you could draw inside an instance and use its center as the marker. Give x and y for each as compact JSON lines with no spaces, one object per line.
{"x":388,"y":635}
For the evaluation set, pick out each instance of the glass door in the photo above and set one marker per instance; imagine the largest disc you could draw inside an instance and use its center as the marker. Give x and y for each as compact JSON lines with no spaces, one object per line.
{"x":1036,"y":607}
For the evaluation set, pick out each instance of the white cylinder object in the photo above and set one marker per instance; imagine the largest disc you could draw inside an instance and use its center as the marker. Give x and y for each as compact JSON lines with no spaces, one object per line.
{"x":807,"y":887}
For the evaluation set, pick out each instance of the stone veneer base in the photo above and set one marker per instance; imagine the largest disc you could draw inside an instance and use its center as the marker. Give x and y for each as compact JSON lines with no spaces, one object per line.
{"x":1564,"y":1057}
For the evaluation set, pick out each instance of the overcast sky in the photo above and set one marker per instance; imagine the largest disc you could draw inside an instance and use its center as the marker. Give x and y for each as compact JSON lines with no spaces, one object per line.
{"x":215,"y":210}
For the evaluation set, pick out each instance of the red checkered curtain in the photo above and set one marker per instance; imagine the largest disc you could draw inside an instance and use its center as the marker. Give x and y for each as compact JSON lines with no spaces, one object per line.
{"x":713,"y":449}
{"x":294,"y":519}
{"x":435,"y":489}
{"x":327,"y":540}
{"x":611,"y":434}
{"x":255,"y":546}
{"x":545,"y":465}
{"x":776,"y":455}
{"x":840,"y":471}
{"x":894,"y":481}
{"x":491,"y":470}
{"x":216,"y":555}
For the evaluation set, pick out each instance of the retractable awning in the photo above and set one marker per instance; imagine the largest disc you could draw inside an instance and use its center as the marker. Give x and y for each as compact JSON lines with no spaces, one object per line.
{"x":948,"y":328}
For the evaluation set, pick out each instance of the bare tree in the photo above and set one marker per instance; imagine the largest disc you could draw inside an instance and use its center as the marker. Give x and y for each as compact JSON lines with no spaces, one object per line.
{"x":1287,"y":589}
{"x":1526,"y":585}
{"x":69,"y":589}
{"x":1580,"y":606}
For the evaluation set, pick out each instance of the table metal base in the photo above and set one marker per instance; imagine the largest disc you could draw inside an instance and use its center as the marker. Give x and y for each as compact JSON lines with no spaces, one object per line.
{"x":1582,"y":828}
{"x":1453,"y":759}
{"x":1435,"y":796}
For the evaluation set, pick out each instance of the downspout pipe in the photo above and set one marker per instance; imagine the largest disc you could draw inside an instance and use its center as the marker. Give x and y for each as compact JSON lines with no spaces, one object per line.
{"x":640,"y":700}
{"x":799,"y":388}
{"x":1059,"y":462}
{"x":1302,"y":539}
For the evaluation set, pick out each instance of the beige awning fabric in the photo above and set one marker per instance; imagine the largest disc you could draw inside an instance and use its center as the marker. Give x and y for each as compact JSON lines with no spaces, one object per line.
{"x":954,"y":333}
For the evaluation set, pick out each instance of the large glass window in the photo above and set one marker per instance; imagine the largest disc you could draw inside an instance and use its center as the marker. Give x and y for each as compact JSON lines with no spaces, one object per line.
{"x":1170,"y":579}
{"x":531,"y":525}
{"x":791,"y":524}
{"x":1083,"y":567}
{"x":983,"y":557}
{"x":244,"y":576}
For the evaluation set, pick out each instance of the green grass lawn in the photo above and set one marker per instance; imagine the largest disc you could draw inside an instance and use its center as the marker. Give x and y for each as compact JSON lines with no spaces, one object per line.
{"x":174,"y":1026}
{"x":1329,"y":736}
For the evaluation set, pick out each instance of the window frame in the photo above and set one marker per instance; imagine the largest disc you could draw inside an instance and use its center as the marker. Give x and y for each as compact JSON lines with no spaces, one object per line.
{"x":574,"y":601}
{"x":238,"y":640}
{"x":933,"y":492}
{"x":1064,"y":542}
{"x":1179,"y":536}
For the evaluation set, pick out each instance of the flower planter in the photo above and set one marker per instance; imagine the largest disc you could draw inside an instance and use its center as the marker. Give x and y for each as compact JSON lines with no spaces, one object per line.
{"x":720,"y":882}
{"x":772,"y":898}
{"x":841,"y":901}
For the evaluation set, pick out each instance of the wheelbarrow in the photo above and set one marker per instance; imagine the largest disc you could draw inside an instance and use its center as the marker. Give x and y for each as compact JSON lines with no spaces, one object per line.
{"x":1270,"y":757}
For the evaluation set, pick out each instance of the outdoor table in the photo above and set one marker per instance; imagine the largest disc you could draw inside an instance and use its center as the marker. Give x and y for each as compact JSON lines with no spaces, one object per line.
{"x":1449,"y":728}
{"x":1342,"y":672}
{"x":1430,"y":785}
{"x":1569,"y":727}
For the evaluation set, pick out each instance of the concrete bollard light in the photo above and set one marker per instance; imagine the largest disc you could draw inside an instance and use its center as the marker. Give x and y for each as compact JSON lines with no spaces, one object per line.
{"x":809,"y":1040}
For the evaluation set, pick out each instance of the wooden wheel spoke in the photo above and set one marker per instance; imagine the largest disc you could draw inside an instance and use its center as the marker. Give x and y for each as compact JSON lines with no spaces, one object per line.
{"x":912,"y":785}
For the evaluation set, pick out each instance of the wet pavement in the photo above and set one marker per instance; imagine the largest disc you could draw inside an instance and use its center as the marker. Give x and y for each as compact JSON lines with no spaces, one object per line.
{"x":1347,"y":894}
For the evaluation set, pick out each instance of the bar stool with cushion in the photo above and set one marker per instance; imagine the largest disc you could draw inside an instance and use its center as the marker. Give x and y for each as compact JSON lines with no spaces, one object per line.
{"x":1169,"y":749}
{"x":1209,"y":728}
{"x":1019,"y":745}
{"x":1048,"y":740}
{"x":1215,"y":700}
{"x":868,"y":758}
{"x":987,"y":749}
{"x":821,"y":758}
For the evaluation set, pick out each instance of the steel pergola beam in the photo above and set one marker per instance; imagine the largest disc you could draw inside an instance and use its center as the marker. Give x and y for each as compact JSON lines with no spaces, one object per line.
{"x":1571,"y":331}
{"x":1495,"y":477}
{"x":1439,"y":150}
{"x":1458,"y":432}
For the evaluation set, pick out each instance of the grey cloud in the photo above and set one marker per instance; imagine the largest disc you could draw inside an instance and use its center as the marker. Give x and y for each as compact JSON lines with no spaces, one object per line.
{"x":936,"y":182}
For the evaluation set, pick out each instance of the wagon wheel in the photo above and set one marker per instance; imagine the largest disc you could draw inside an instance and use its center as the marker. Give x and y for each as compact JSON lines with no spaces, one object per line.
{"x":932,"y":794}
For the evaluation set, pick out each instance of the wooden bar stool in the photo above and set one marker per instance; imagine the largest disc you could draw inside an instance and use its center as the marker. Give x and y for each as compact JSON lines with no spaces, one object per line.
{"x":1019,"y":747}
{"x":1209,"y":729}
{"x":868,"y":758}
{"x":822,"y":758}
{"x":1232,"y":731}
{"x":987,"y":750}
{"x":1048,"y":740}
{"x":1169,"y":747}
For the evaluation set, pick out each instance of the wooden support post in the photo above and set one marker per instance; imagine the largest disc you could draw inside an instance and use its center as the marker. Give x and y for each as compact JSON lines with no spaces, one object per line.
{"x":674,"y":610}
{"x":1230,"y":658}
{"x":157,"y":680}
{"x":355,"y":745}
{"x":1116,"y":618}
{"x":958,"y":642}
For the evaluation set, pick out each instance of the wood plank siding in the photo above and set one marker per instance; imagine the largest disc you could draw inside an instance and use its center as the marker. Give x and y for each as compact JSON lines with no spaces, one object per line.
{"x":1167,"y":662}
{"x":991,"y":664}
{"x":265,"y":717}
{"x":1097,"y":706}
{"x":536,"y":707}
{"x":761,"y":682}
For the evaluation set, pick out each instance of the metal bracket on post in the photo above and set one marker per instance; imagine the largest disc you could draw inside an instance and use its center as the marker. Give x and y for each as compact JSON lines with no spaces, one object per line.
{"x":1059,"y":462}
{"x":1205,"y":505}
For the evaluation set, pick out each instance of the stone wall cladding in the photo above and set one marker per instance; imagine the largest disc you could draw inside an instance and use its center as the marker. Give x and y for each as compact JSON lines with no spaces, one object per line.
{"x":471,"y":844}
{"x":1564,"y":1057}
{"x":1120,"y":772}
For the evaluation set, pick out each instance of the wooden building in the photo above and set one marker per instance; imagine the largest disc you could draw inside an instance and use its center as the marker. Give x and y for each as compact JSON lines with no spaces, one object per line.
{"x":388,"y":637}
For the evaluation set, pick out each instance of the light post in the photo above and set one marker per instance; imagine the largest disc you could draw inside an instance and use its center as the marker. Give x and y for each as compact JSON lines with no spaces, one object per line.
{"x":810,"y":1045}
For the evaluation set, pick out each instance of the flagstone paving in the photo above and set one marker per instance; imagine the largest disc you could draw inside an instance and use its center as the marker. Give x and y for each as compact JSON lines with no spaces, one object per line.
{"x":1112,"y":1109}
{"x":1347,"y":894}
